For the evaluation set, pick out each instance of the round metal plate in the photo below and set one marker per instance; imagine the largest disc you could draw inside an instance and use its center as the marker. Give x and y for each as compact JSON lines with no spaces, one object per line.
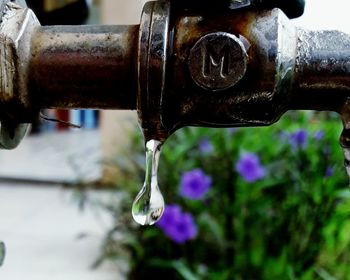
{"x":217,"y":61}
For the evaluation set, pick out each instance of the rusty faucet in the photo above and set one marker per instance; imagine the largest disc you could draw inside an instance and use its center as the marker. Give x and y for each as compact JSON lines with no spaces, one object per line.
{"x":241,"y":63}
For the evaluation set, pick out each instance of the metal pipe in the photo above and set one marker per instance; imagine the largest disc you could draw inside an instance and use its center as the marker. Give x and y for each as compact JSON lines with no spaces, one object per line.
{"x":229,"y":67}
{"x":322,"y":71}
{"x":84,"y":67}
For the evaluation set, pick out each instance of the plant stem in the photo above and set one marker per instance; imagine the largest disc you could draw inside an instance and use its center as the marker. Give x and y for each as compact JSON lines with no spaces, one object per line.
{"x":229,"y":214}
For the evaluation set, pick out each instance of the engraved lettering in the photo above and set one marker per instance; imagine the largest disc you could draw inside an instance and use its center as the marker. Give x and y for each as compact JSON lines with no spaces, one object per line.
{"x":216,"y":63}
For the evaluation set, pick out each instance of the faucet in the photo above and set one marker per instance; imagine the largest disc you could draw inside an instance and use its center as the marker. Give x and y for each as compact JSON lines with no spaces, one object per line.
{"x":188,"y":63}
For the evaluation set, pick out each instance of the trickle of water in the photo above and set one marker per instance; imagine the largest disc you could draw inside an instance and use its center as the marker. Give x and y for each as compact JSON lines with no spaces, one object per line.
{"x":148,"y":206}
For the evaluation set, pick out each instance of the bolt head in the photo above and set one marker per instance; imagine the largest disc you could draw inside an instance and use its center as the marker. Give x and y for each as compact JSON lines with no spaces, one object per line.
{"x":218,"y":61}
{"x":16,"y":28}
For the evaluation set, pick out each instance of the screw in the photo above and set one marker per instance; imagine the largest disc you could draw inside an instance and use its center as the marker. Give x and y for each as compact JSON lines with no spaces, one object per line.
{"x":218,"y":61}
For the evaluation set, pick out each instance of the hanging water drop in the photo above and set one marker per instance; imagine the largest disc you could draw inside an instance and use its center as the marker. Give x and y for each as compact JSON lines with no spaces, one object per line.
{"x":148,"y":206}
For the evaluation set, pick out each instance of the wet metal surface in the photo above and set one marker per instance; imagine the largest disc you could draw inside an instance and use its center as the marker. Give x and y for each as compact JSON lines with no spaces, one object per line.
{"x":168,"y":67}
{"x":264,"y":85}
{"x":152,"y":59}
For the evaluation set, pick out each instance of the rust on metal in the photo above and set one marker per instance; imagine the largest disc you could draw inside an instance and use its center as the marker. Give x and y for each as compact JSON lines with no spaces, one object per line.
{"x":16,"y":27}
{"x":187,"y":103}
{"x":266,"y":67}
{"x":152,"y":66}
{"x":84,"y":67}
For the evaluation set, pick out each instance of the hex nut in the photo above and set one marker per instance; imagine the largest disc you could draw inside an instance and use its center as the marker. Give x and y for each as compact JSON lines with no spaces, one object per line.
{"x":17,"y":24}
{"x":16,"y":28}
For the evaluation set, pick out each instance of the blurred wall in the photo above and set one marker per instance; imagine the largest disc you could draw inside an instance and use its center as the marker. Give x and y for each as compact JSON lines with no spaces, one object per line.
{"x":326,"y":15}
{"x":121,"y":11}
{"x":116,"y":125}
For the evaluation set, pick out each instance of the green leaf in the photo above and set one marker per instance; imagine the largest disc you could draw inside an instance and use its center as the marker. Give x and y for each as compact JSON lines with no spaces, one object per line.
{"x":184,"y":271}
{"x":324,"y":275}
{"x":2,"y":252}
{"x":178,"y":265}
{"x":344,"y":194}
{"x":221,"y":275}
{"x":213,"y":227}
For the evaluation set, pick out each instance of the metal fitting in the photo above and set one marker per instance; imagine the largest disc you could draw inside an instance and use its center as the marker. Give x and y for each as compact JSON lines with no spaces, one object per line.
{"x":152,"y":57}
{"x":17,"y":25}
{"x":84,"y":67}
{"x":181,"y":66}
{"x":261,"y":91}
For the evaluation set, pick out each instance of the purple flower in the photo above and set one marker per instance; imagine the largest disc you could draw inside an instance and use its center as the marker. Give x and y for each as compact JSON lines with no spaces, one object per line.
{"x":329,"y":171}
{"x":177,"y":225}
{"x":298,"y":139}
{"x":171,"y":212}
{"x":194,"y":184}
{"x":249,"y":167}
{"x":319,"y":135}
{"x":205,"y":146}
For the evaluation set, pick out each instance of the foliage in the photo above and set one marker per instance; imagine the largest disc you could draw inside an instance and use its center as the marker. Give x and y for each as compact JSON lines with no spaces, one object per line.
{"x":277,"y":206}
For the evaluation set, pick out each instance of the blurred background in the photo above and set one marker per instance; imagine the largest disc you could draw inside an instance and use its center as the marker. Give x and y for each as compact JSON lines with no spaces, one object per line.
{"x":239,"y":207}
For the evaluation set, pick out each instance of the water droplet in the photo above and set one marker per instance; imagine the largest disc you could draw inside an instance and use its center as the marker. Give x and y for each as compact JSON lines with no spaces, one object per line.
{"x":148,"y":206}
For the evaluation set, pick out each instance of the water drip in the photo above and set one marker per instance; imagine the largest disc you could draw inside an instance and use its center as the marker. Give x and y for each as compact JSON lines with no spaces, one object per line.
{"x":148,"y":206}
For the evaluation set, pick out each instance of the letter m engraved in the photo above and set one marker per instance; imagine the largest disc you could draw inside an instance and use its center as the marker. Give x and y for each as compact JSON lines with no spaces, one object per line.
{"x":216,"y":62}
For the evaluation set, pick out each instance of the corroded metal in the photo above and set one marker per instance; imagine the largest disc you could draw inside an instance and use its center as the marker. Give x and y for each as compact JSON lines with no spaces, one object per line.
{"x":84,"y":67}
{"x":60,"y":67}
{"x":152,"y":55}
{"x":183,"y":65}
{"x":16,"y":26}
{"x":263,"y":93}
